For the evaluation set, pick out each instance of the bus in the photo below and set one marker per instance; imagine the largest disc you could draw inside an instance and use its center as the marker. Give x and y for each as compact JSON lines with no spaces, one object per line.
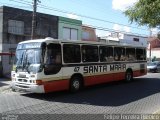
{"x":48,"y":65}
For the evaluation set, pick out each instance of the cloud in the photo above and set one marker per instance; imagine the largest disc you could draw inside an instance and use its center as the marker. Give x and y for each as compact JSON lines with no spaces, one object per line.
{"x":154,"y":31}
{"x":126,"y":29}
{"x":101,"y":33}
{"x":72,"y":16}
{"x":117,"y":27}
{"x":122,"y":4}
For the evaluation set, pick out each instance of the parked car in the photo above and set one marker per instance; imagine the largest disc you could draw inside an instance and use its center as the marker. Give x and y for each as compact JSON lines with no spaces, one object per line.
{"x":153,"y":66}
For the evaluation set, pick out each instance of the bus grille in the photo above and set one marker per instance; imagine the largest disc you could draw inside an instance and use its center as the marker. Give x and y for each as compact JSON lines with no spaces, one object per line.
{"x":22,"y":80}
{"x":22,"y":86}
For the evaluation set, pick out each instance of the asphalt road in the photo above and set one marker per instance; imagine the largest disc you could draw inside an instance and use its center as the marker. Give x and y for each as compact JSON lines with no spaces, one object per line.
{"x":142,"y":96}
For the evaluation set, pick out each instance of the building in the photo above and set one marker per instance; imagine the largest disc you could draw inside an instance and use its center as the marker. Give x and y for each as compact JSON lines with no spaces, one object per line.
{"x":16,"y":25}
{"x":134,"y":39}
{"x":123,"y":38}
{"x":69,"y":29}
{"x":153,"y":49}
{"x":88,"y":33}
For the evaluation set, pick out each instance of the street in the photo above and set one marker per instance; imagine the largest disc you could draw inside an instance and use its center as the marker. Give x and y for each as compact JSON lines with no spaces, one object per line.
{"x":142,"y":96}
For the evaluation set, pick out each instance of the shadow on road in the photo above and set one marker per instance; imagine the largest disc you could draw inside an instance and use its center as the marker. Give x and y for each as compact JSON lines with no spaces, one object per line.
{"x":3,"y":84}
{"x":110,"y":94}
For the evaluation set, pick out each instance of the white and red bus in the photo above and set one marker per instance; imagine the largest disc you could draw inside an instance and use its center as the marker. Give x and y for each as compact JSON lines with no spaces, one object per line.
{"x":47,"y":65}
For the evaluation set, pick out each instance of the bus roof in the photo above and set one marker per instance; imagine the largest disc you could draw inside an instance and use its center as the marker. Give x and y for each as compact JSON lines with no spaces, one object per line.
{"x":49,"y":39}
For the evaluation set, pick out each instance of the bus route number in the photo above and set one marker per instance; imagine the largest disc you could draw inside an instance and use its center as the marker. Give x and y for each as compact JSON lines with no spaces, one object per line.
{"x":76,"y":69}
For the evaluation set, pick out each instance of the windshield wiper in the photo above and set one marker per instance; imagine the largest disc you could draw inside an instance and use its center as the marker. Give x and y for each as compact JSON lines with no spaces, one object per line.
{"x":26,"y":63}
{"x":20,"y":63}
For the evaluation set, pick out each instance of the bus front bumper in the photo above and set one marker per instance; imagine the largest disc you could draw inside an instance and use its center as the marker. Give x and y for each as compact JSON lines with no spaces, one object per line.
{"x":25,"y":87}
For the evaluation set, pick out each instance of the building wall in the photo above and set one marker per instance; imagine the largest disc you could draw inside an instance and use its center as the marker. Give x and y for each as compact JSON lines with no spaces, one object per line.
{"x":155,"y":48}
{"x":134,"y":40}
{"x":69,"y":23}
{"x":155,"y":43}
{"x":88,"y":34}
{"x":46,"y":25}
{"x":1,"y":28}
{"x":155,"y":52}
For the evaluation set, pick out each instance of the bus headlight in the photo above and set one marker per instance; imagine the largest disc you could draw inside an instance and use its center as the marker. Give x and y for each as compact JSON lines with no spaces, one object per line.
{"x":32,"y":76}
{"x":39,"y":82}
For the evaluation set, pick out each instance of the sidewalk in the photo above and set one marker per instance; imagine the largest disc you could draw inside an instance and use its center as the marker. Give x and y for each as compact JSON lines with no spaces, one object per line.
{"x":4,"y":84}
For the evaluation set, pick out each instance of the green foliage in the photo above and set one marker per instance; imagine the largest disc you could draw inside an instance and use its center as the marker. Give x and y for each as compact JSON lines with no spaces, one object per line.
{"x":145,"y":12}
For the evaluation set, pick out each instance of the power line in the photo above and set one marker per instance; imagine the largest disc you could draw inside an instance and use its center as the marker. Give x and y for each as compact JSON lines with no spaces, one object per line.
{"x":22,"y":2}
{"x":99,"y":28}
{"x":89,"y":17}
{"x":63,"y":11}
{"x":112,"y":30}
{"x":7,"y":4}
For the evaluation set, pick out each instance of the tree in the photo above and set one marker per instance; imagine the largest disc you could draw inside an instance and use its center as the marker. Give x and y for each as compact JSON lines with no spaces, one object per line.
{"x":145,"y":12}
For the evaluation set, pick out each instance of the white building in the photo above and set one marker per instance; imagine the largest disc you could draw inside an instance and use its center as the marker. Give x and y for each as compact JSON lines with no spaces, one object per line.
{"x":154,"y":53}
{"x":134,"y":40}
{"x":126,"y":39}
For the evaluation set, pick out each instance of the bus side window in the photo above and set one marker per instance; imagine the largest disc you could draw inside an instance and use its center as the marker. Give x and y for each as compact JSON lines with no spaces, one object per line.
{"x":58,"y":58}
{"x":71,"y":53}
{"x":130,"y":54}
{"x":117,"y":53}
{"x":139,"y":54}
{"x":106,"y":54}
{"x":53,"y":59}
{"x":103,"y":54}
{"x":90,"y":53}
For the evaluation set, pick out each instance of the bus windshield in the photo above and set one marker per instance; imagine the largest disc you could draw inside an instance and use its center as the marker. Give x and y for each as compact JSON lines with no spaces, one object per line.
{"x":28,"y":60}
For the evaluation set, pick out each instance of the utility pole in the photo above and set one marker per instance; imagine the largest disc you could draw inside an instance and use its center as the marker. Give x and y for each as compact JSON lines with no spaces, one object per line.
{"x":34,"y":18}
{"x":150,"y":47}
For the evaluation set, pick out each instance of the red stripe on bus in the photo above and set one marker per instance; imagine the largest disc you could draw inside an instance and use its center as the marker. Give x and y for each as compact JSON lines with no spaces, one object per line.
{"x":92,"y":80}
{"x":56,"y":85}
{"x":139,"y":73}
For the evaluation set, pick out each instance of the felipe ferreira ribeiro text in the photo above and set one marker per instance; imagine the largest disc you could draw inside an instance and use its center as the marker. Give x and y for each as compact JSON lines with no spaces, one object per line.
{"x":132,"y":116}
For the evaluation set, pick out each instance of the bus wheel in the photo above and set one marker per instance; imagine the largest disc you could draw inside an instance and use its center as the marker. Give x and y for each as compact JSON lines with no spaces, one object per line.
{"x":128,"y":76}
{"x":13,"y":90}
{"x":75,"y":84}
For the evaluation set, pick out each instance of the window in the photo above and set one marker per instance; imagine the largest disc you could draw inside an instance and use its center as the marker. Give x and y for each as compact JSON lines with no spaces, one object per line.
{"x":130,"y":54}
{"x":90,"y":53}
{"x":144,"y":53}
{"x":136,"y":39}
{"x":119,"y":54}
{"x":71,"y":53}
{"x":16,"y":27}
{"x":53,"y":61}
{"x":70,"y":33}
{"x":85,"y":35}
{"x":140,"y":54}
{"x":74,"y":34}
{"x":106,"y":54}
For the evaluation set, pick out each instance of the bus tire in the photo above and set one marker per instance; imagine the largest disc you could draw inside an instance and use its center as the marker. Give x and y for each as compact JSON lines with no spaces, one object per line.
{"x":128,"y":76}
{"x":13,"y":90}
{"x":75,"y":84}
